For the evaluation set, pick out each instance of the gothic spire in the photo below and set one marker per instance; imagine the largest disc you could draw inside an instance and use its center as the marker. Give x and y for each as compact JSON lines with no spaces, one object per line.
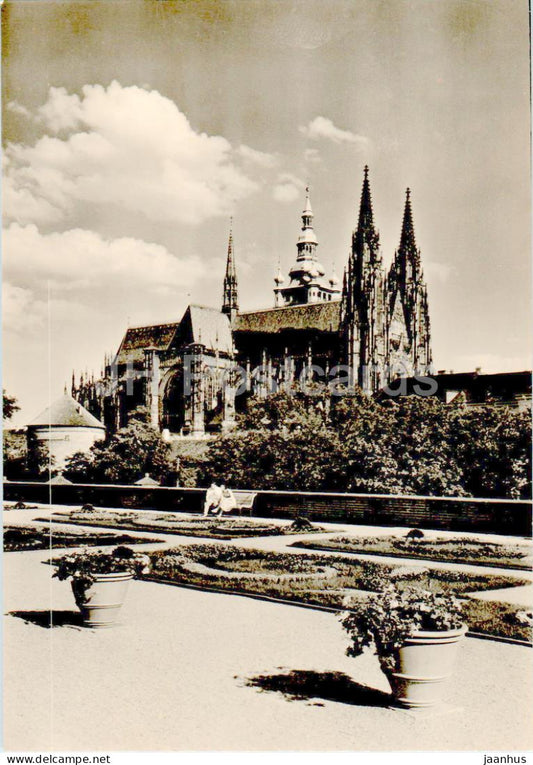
{"x":407,"y":239}
{"x":366,"y":217}
{"x":365,"y":238}
{"x":230,"y":299}
{"x":408,"y":251}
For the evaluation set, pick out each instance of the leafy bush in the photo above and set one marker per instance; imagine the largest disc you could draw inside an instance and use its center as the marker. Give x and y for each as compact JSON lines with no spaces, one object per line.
{"x":411,"y":445}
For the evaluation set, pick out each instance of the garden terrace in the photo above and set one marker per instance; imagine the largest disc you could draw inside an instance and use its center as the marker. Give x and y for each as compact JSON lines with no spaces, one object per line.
{"x":326,"y":581}
{"x":17,"y":538}
{"x":455,"y":550}
{"x":512,"y":517}
{"x":170,"y":523}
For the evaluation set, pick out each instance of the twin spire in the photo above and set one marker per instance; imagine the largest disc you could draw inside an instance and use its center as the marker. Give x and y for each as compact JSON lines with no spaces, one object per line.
{"x":366,"y":228}
{"x":307,"y":269}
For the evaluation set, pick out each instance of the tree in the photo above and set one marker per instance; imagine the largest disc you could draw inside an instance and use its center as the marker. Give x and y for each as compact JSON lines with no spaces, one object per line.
{"x":10,"y":405}
{"x":410,"y":445}
{"x":287,"y":445}
{"x":124,"y":458}
{"x":493,"y":445}
{"x":398,"y":447}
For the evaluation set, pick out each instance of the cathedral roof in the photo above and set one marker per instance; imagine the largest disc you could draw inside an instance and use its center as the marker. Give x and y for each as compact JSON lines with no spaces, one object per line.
{"x":199,"y":324}
{"x":65,"y":411}
{"x":211,"y":328}
{"x":137,"y":339}
{"x":324,"y":317}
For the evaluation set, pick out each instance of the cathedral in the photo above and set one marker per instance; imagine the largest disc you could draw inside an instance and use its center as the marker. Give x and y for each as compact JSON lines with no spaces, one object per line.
{"x":193,"y":374}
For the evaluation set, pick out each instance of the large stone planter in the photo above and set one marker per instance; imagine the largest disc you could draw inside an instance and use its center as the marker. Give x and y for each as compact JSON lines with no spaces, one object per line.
{"x":101,"y":602}
{"x":424,"y":664}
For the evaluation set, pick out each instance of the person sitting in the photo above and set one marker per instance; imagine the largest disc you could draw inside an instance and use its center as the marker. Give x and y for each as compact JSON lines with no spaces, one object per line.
{"x":213,"y":497}
{"x":227,"y":501}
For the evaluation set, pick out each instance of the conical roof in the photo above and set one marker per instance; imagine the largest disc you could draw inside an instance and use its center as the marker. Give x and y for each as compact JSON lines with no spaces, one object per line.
{"x":146,"y":481}
{"x":59,"y":480}
{"x":66,"y":411}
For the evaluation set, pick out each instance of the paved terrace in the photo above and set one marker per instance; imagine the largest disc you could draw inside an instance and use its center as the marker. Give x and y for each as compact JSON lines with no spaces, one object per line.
{"x":189,"y":670}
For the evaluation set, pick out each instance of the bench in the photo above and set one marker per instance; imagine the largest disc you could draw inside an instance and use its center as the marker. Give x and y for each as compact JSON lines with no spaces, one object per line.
{"x":245,"y":501}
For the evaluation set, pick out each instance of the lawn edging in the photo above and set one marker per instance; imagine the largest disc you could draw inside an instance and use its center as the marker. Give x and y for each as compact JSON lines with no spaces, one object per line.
{"x":427,"y":558}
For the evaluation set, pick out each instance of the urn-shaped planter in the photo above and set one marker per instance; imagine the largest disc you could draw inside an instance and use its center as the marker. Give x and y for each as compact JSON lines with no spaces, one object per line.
{"x":100,"y":580}
{"x":424,"y":665}
{"x":101,"y":602}
{"x":415,"y":632}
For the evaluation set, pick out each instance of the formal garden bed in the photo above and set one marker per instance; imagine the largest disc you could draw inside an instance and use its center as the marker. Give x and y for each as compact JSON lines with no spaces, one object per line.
{"x":170,"y":523}
{"x":457,"y":550}
{"x":326,"y":581}
{"x":17,"y":538}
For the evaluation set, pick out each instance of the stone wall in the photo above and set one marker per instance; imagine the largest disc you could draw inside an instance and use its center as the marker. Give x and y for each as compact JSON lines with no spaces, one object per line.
{"x":511,"y":517}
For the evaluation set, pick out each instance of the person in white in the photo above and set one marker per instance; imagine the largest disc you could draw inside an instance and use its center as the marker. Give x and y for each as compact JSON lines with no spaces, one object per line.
{"x":213,"y":497}
{"x":227,"y":501}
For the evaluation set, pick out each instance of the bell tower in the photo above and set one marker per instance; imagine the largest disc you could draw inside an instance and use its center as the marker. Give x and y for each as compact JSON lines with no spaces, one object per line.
{"x":307,"y":274}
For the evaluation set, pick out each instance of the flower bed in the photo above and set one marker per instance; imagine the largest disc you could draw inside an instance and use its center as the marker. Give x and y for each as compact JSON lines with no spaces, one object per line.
{"x":459,"y":550}
{"x":321,"y":580}
{"x":170,"y":523}
{"x":17,"y":538}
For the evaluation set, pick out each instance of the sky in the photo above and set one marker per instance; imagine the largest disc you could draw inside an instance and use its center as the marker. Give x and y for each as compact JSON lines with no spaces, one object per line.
{"x":133,"y":132}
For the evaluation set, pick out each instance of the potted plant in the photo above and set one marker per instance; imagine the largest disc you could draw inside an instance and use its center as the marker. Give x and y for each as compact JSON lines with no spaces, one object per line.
{"x":100,"y":581}
{"x":415,"y":634}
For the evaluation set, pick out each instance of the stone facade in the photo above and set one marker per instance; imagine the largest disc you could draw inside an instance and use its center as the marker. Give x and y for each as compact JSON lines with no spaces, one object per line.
{"x":185,"y":373}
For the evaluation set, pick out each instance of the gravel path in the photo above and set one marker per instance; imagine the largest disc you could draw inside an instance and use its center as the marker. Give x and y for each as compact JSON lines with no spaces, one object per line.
{"x":175,"y":674}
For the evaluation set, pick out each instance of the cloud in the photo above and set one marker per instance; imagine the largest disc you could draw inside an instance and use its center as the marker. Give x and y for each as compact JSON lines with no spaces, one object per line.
{"x":127,"y":147}
{"x":322,"y":127}
{"x":83,"y":260}
{"x":20,"y":311}
{"x":260,"y":158}
{"x":288,"y":188}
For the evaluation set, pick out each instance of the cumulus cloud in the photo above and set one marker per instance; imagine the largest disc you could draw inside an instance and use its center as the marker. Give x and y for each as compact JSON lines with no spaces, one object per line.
{"x":322,"y":127}
{"x":128,"y":147}
{"x":79,"y":260}
{"x":260,"y":158}
{"x":20,"y":311}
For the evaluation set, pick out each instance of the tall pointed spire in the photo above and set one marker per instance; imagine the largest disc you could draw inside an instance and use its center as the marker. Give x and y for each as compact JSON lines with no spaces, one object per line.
{"x":407,"y":239}
{"x":406,"y":288}
{"x":366,"y":234}
{"x":230,"y":298}
{"x":408,"y":254}
{"x":366,"y":216}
